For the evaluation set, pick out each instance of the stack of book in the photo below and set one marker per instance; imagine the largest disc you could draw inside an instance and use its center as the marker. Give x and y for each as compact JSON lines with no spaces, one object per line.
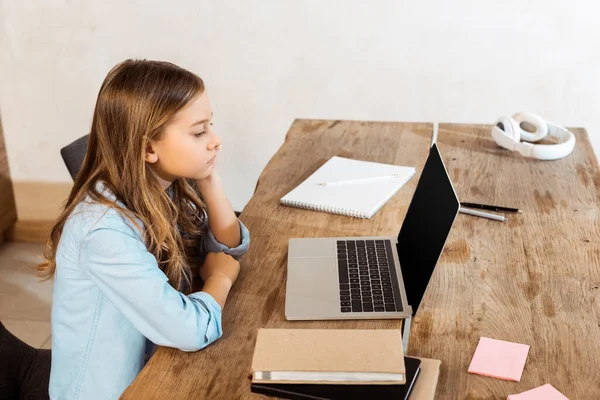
{"x":333,"y":364}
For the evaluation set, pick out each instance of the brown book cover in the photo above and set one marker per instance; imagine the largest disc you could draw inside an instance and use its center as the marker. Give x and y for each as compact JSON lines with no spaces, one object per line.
{"x":426,"y":384}
{"x":343,"y":356}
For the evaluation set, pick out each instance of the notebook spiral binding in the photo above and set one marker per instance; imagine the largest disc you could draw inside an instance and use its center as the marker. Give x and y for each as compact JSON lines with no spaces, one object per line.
{"x":316,"y":207}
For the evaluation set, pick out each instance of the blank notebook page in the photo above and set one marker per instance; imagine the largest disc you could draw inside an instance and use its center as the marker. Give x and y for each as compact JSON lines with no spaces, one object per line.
{"x":359,"y":199}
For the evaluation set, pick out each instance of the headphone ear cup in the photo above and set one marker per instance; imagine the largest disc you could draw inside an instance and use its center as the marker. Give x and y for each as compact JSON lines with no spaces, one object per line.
{"x":506,"y":133}
{"x":532,"y":127}
{"x":555,"y":151}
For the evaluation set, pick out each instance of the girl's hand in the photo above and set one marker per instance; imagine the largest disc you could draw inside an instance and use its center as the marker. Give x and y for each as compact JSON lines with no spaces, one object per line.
{"x":211,"y":182}
{"x":219,"y":272}
{"x":219,"y":265}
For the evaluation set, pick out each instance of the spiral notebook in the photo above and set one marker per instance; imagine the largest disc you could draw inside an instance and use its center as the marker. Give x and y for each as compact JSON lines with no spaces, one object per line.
{"x":355,"y":188}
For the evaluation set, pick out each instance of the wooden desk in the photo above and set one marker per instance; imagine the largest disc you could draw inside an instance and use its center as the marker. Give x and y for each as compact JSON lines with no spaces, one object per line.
{"x":534,"y":279}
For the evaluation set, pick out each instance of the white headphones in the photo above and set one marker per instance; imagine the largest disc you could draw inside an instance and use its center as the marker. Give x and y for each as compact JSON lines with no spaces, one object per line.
{"x":509,"y":131}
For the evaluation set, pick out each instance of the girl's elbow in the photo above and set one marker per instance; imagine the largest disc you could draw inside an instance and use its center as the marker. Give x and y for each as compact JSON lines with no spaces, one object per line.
{"x":196,"y":343}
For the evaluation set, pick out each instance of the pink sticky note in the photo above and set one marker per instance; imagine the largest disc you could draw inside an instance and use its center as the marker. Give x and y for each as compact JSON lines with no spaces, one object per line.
{"x":499,"y":359}
{"x":545,"y":392}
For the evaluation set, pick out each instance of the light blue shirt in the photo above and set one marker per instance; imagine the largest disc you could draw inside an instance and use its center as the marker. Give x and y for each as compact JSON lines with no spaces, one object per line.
{"x":110,"y":297}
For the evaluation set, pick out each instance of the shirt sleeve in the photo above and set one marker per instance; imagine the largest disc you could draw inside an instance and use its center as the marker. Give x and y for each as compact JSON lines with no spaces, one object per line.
{"x":209,"y":242}
{"x":117,"y":261}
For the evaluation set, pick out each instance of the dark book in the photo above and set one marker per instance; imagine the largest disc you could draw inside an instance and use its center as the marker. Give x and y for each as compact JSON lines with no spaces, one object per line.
{"x":303,"y":391}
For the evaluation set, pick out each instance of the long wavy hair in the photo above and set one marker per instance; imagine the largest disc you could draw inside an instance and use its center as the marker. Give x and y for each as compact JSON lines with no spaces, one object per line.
{"x":137,"y":99}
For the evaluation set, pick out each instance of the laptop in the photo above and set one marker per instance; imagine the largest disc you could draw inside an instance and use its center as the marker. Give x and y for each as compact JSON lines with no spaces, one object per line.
{"x":374,"y":277}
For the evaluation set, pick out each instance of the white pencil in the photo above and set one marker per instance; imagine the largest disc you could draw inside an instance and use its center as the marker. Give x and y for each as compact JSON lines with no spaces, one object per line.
{"x":361,"y":180}
{"x":482,"y":214}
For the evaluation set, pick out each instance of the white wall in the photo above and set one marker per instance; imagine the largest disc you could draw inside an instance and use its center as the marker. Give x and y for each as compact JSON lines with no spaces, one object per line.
{"x":268,"y":62}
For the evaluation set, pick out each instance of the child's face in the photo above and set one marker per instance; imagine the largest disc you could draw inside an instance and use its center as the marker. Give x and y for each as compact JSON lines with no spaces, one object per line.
{"x":188,"y":148}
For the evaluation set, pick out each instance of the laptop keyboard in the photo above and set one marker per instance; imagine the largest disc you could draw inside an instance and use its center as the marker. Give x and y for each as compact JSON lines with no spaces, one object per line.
{"x":367,"y":276}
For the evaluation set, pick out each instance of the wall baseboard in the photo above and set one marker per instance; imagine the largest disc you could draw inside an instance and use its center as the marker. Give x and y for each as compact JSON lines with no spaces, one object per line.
{"x":38,"y":206}
{"x":36,"y":231}
{"x":40,"y":201}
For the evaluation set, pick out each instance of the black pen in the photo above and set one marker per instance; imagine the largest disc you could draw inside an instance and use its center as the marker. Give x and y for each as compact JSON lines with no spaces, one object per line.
{"x":491,"y":208}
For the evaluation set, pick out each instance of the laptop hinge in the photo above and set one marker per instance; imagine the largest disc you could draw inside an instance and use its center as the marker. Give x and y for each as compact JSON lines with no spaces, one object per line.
{"x":406,"y":334}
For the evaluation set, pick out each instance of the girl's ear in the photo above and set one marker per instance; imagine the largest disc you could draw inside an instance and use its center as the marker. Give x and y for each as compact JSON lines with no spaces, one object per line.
{"x":150,"y":156}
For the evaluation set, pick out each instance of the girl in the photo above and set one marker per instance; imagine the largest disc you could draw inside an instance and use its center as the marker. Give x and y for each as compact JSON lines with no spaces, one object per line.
{"x":146,"y":210}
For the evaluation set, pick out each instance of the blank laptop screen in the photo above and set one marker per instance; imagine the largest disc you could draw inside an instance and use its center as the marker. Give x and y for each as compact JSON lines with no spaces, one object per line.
{"x":428,"y":221}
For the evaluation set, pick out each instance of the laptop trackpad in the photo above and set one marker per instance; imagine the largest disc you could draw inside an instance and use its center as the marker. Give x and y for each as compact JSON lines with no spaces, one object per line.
{"x":312,"y":284}
{"x":312,"y":247}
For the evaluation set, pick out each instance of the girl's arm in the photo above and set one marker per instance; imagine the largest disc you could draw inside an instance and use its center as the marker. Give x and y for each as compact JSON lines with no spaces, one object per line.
{"x":222,"y":220}
{"x":115,"y":258}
